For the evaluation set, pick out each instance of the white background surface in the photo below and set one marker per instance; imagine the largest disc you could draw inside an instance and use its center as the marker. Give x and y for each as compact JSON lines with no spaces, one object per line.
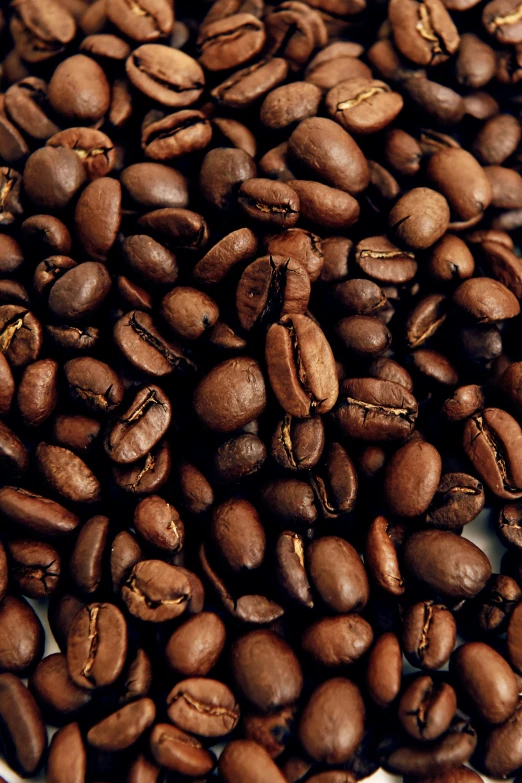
{"x":481,"y":531}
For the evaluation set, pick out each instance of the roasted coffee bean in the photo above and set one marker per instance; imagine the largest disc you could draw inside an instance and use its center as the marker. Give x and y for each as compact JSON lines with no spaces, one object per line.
{"x":300,"y":366}
{"x":384,"y":681}
{"x":67,"y":759}
{"x":384,"y":262}
{"x":428,"y":635}
{"x":94,"y":149}
{"x":22,"y":636}
{"x":273,"y":731}
{"x":238,"y":534}
{"x":266,"y":670}
{"x":124,"y":727}
{"x":96,"y":646}
{"x":411,"y":478}
{"x":125,"y":553}
{"x":165,"y":75}
{"x":21,"y":726}
{"x":204,"y":707}
{"x":180,"y":752}
{"x":195,"y":647}
{"x":144,"y":21}
{"x":34,"y":567}
{"x":238,"y":458}
{"x":326,"y":150}
{"x":93,"y":384}
{"x":97,"y":218}
{"x":337,"y":573}
{"x":42,"y":31}
{"x":342,"y":701}
{"x":375,"y":410}
{"x":513,"y":639}
{"x":337,"y":641}
{"x":58,"y":696}
{"x":13,"y":455}
{"x":496,"y":603}
{"x":446,"y":564}
{"x":155,"y":591}
{"x":487,"y":681}
{"x":270,"y":202}
{"x":363,"y":105}
{"x":88,"y":554}
{"x":140,"y":341}
{"x":152,"y":185}
{"x":35,"y":513}
{"x":419,"y":218}
{"x":426,"y":708}
{"x":423,"y":32}
{"x":140,"y":427}
{"x":381,"y":557}
{"x":502,"y":752}
{"x":246,"y":760}
{"x":424,"y":759}
{"x":176,"y":135}
{"x":289,"y":104}
{"x":334,"y":481}
{"x":269,"y":288}
{"x":223,"y":412}
{"x":491,"y":443}
{"x":230,"y":41}
{"x":67,"y":474}
{"x":159,"y":524}
{"x":458,"y":500}
{"x":20,"y":335}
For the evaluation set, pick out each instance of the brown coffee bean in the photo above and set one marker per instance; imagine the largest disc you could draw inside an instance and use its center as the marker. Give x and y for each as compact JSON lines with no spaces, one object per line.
{"x":165,"y":75}
{"x":195,"y":647}
{"x":381,"y":557}
{"x":273,"y":731}
{"x":268,"y":201}
{"x":426,"y":708}
{"x":22,"y":634}
{"x":94,"y":149}
{"x":124,"y":727}
{"x":177,"y":228}
{"x":458,"y":500}
{"x":221,"y":174}
{"x":341,"y":700}
{"x":411,"y":478}
{"x":501,"y":19}
{"x":266,"y":670}
{"x":424,"y":32}
{"x":96,"y":646}
{"x":54,"y":690}
{"x":197,"y":495}
{"x":36,"y":513}
{"x":159,"y":524}
{"x":419,"y":218}
{"x":329,"y":209}
{"x":176,"y":135}
{"x":238,"y":458}
{"x":491,"y":442}
{"x":424,"y":759}
{"x":375,"y":410}
{"x":428,"y":635}
{"x":384,"y":262}
{"x":97,"y":217}
{"x":79,"y":91}
{"x":364,"y":335}
{"x":67,"y":474}
{"x":140,"y":427}
{"x":269,"y":288}
{"x":337,"y":641}
{"x":143,"y":21}
{"x":234,"y":248}
{"x":326,"y":150}
{"x":105,"y":46}
{"x":230,"y":41}
{"x":189,"y":312}
{"x":384,"y":670}
{"x":446,"y":564}
{"x":34,"y":567}
{"x":487,"y":681}
{"x":337,"y":573}
{"x":502,"y":752}
{"x":37,"y":393}
{"x":80,"y":292}
{"x":217,"y":408}
{"x":23,"y":729}
{"x":485,"y":300}
{"x":204,"y":707}
{"x":289,"y":104}
{"x":41,"y":31}
{"x":310,"y":387}
{"x":238,"y":534}
{"x":67,"y":759}
{"x":180,"y":752}
{"x":125,"y":553}
{"x":294,"y":31}
{"x":514,"y":631}
{"x":249,"y":84}
{"x":152,"y":185}
{"x":156,"y":592}
{"x":14,"y":458}
{"x":88,"y":554}
{"x":363,"y":105}
{"x":93,"y":384}
{"x":291,"y":571}
{"x":246,"y":760}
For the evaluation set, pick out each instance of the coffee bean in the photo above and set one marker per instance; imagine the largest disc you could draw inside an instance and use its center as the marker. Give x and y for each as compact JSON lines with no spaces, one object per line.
{"x":490,"y":441}
{"x":375,"y":410}
{"x":457,"y":501}
{"x":152,"y":186}
{"x":22,"y":634}
{"x":168,"y":76}
{"x":142,"y":21}
{"x":155,"y":591}
{"x":96,"y":646}
{"x":337,"y":573}
{"x":88,"y":554}
{"x":363,"y":105}
{"x":93,"y":384}
{"x":67,"y":759}
{"x":230,"y":41}
{"x":140,"y":427}
{"x":381,"y":557}
{"x":428,"y":635}
{"x":34,"y":567}
{"x":426,"y":708}
{"x":247,"y":760}
{"x":446,"y":564}
{"x":487,"y":680}
{"x":411,"y":479}
{"x":180,"y":752}
{"x":384,"y":681}
{"x":453,"y":748}
{"x":204,"y":707}
{"x":266,"y":670}
{"x":222,"y":412}
{"x":140,"y":341}
{"x":342,"y":701}
{"x":36,"y":513}
{"x":79,"y":91}
{"x":54,"y":690}
{"x":337,"y":641}
{"x":124,"y":727}
{"x":21,"y":726}
{"x":195,"y":647}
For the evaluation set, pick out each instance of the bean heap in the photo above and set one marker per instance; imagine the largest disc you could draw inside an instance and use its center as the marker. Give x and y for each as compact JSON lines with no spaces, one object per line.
{"x":260,"y":365}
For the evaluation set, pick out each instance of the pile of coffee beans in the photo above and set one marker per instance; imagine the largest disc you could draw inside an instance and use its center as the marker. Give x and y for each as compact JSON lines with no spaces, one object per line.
{"x":260,"y":365}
